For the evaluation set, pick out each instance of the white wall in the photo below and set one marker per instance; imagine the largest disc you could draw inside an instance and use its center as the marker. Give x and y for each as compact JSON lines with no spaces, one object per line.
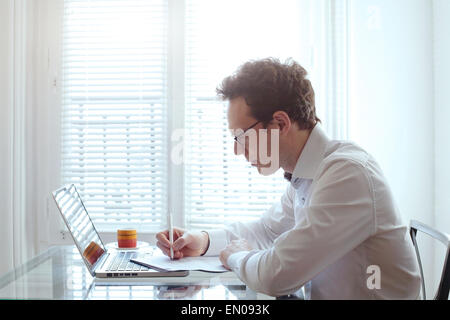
{"x":441,"y":13}
{"x":391,"y":99}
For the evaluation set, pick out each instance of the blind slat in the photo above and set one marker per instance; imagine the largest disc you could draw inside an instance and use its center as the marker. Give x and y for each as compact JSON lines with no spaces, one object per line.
{"x":114,"y":109}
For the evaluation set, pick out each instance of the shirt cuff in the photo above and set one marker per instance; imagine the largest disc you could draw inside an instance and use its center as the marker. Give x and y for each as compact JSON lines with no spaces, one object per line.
{"x":234,"y":260}
{"x":217,"y":242}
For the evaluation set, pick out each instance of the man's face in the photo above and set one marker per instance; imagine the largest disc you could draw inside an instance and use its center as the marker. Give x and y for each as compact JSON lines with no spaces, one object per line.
{"x":259,"y":145}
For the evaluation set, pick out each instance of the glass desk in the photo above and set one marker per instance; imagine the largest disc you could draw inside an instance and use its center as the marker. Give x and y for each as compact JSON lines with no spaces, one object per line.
{"x":59,"y":273}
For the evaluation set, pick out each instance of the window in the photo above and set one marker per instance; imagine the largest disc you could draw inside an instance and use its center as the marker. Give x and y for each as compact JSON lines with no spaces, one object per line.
{"x":121,"y":106}
{"x":114,"y":114}
{"x":221,"y":35}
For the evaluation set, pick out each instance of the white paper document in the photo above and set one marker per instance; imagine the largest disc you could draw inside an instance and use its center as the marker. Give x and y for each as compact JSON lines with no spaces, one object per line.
{"x":164,"y":263}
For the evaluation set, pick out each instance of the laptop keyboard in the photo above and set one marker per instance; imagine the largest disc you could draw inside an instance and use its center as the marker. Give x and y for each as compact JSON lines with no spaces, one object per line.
{"x":122,"y":262}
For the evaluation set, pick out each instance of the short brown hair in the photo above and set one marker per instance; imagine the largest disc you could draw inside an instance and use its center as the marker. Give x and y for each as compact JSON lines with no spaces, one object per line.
{"x":268,"y":86}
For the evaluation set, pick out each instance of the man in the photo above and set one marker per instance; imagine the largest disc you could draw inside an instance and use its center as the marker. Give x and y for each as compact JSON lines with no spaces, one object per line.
{"x":336,"y":231}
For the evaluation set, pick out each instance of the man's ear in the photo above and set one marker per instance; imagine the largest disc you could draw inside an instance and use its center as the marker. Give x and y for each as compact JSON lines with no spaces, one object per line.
{"x":283,"y":121}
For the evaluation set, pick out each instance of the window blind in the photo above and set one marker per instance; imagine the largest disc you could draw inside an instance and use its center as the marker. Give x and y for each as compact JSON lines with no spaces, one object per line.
{"x":114,"y":110}
{"x":221,"y":188}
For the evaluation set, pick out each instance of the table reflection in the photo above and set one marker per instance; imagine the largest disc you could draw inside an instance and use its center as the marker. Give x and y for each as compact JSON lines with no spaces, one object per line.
{"x":162,"y":292}
{"x":60,"y":273}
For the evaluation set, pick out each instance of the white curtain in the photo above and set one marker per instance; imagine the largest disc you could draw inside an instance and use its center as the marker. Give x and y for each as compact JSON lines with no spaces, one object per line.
{"x":16,"y":216}
{"x":6,"y":205}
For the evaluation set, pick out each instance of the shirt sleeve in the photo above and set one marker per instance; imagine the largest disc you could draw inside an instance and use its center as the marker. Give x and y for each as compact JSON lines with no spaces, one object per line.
{"x":260,"y":233}
{"x":340,"y":217}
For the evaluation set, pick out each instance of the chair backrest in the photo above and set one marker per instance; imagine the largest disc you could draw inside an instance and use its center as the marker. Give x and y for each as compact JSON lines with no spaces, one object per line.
{"x":444,"y":284}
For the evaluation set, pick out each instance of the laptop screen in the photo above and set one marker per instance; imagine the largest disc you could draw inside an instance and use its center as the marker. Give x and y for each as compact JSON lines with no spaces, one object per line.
{"x":79,"y":224}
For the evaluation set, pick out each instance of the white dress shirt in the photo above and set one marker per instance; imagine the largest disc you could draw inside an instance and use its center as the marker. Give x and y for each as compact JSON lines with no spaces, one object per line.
{"x":336,"y":232}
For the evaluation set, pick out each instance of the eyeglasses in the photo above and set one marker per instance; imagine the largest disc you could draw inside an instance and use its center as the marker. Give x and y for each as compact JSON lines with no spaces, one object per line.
{"x":239,"y":138}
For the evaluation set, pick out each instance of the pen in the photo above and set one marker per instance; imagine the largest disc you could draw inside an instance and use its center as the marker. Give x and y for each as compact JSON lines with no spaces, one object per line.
{"x":170,"y":234}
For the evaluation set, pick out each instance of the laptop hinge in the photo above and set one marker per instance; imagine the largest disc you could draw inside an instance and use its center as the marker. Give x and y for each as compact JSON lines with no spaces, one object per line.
{"x":101,"y":261}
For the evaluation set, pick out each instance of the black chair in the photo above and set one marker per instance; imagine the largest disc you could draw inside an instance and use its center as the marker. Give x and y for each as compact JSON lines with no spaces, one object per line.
{"x":444,"y":285}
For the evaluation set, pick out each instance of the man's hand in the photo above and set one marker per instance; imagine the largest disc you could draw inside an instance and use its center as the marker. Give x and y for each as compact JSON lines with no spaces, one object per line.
{"x":185,"y":244}
{"x":233,"y":247}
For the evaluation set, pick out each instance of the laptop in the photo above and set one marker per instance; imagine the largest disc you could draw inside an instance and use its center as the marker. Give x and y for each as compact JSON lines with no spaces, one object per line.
{"x":101,"y":263}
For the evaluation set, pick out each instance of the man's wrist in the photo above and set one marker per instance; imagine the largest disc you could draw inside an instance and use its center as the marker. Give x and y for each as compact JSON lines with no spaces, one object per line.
{"x":206,"y":235}
{"x":217,"y":242}
{"x":234,"y":260}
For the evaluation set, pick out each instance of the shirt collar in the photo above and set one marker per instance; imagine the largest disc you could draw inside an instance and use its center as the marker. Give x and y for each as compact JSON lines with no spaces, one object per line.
{"x":312,"y":155}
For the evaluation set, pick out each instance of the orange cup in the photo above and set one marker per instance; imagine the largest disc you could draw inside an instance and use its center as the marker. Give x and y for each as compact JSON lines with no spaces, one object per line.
{"x":127,"y":238}
{"x":92,"y":252}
